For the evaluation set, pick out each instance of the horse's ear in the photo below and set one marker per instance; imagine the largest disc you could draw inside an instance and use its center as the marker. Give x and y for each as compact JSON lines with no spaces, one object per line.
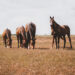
{"x":53,"y":16}
{"x":50,"y":16}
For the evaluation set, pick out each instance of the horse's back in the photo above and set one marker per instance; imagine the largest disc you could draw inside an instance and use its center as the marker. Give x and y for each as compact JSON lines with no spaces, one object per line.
{"x":32,"y":26}
{"x":67,"y":29}
{"x":19,"y":30}
{"x":22,"y":29}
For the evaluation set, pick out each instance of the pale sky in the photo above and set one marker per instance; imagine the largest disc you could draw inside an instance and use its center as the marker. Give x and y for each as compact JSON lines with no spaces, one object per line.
{"x":14,"y":13}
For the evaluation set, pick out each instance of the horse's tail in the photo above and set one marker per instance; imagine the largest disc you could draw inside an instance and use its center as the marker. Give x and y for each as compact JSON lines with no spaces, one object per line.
{"x":8,"y":34}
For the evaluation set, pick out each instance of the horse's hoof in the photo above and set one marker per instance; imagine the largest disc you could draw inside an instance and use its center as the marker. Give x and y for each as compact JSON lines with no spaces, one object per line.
{"x":71,"y":46}
{"x":8,"y":47}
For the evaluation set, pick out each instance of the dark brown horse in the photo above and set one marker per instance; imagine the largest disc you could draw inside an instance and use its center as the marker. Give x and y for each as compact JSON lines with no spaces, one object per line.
{"x":55,"y":36}
{"x":30,"y":30}
{"x":7,"y":38}
{"x":59,"y":32}
{"x":21,"y":36}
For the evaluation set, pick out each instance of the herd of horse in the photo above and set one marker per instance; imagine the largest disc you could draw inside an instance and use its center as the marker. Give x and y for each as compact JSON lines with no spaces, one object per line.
{"x":26,"y":35}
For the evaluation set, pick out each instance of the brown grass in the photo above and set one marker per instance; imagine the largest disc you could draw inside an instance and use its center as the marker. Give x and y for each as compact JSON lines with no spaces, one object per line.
{"x":43,"y":60}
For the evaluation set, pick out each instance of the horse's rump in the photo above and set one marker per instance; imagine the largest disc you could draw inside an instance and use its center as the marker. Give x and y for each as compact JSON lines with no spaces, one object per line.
{"x":30,"y":29}
{"x":6,"y":33}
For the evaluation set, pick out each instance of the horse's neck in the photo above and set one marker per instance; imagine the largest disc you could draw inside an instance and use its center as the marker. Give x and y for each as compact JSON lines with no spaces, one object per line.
{"x":56,"y":24}
{"x":56,"y":27}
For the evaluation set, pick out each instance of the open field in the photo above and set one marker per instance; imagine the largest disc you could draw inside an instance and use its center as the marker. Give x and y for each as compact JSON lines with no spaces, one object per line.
{"x":43,"y":60}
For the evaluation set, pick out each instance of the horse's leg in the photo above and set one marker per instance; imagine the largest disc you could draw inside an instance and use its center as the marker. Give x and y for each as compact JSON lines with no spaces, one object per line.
{"x":10,"y":42}
{"x":64,"y":41}
{"x":18,"y":40}
{"x":53,"y":41}
{"x":29,"y":44}
{"x":34,"y":43}
{"x":70,"y":41}
{"x":56,"y":41}
{"x":21,"y":41}
{"x":5,"y":42}
{"x":30,"y":32}
{"x":33,"y":46}
{"x":4,"y":39}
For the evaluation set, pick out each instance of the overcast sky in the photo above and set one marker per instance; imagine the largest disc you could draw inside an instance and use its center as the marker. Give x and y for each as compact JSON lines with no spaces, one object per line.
{"x":14,"y":13}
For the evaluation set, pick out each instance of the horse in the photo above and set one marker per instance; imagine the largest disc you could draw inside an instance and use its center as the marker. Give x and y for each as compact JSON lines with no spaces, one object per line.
{"x":30,"y":30}
{"x":55,"y":36}
{"x":7,"y":38}
{"x":60,"y":32}
{"x":21,"y":36}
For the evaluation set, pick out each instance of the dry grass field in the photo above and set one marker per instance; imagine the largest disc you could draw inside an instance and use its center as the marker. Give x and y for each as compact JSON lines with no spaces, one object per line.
{"x":43,"y":60}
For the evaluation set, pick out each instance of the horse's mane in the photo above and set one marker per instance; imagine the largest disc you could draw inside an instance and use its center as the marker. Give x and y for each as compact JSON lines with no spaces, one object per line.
{"x":55,"y":23}
{"x":56,"y":27}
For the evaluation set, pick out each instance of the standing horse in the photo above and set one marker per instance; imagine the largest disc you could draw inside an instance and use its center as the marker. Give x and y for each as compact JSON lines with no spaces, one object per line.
{"x":30,"y":30}
{"x":60,"y":31}
{"x":7,"y":38}
{"x":55,"y":36}
{"x":21,"y":36}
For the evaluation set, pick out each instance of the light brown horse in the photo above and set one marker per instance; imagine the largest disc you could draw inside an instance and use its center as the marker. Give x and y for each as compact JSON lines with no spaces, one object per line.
{"x":60,"y":32}
{"x":21,"y":36}
{"x":30,"y":30}
{"x":7,"y":38}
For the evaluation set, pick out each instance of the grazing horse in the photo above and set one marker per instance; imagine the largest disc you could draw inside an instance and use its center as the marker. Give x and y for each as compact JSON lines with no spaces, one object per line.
{"x":60,"y":32}
{"x":21,"y":36}
{"x":30,"y":30}
{"x":7,"y":38}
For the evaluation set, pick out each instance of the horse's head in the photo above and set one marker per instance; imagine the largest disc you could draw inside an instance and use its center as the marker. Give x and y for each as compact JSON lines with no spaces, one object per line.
{"x":33,"y":41}
{"x":24,"y":43}
{"x":51,"y":20}
{"x":52,"y":30}
{"x":52,"y":25}
{"x":9,"y":42}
